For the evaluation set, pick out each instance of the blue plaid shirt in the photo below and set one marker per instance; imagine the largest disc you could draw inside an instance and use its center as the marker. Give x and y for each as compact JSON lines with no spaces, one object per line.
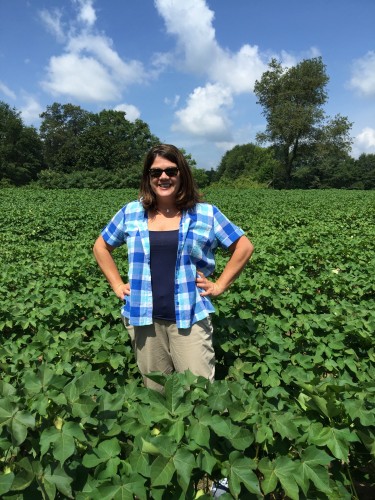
{"x":202,"y":230}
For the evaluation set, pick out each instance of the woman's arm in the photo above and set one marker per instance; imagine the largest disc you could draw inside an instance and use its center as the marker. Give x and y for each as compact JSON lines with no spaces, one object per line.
{"x":103,"y":255}
{"x":241,"y":251}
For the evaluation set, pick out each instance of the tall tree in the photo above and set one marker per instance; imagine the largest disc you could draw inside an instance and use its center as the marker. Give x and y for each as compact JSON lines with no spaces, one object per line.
{"x":292,"y":101}
{"x":20,"y":148}
{"x":61,"y":128}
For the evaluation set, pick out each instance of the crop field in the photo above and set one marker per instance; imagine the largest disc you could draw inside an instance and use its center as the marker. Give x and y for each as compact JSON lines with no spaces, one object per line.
{"x":292,"y":412}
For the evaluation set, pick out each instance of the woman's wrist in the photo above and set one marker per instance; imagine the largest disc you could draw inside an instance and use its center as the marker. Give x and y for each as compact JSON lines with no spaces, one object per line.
{"x":116,"y":287}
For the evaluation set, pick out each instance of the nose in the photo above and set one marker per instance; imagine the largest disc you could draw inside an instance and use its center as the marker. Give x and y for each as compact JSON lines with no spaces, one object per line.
{"x":164,"y":175}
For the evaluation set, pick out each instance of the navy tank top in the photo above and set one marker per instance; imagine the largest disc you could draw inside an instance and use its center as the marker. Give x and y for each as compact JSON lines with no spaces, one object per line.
{"x":163,"y":252}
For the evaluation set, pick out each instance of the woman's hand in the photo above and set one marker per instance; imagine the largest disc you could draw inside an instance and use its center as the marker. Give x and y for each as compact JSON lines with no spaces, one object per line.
{"x":209,"y":288}
{"x":121,"y":290}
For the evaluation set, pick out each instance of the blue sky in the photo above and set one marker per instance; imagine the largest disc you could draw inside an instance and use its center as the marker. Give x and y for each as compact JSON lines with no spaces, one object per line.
{"x":185,"y":67}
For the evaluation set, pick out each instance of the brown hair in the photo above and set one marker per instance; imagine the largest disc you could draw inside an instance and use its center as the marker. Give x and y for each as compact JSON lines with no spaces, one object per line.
{"x":187,"y":196}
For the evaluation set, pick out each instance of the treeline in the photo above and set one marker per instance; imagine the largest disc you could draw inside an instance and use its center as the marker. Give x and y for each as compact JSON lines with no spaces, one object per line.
{"x":304,"y":149}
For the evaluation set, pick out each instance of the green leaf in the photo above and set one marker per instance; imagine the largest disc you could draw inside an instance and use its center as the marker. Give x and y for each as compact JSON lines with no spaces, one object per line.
{"x":269,"y":481}
{"x":174,"y":392}
{"x":59,"y":479}
{"x":283,"y":468}
{"x":6,"y":481}
{"x":25,"y":475}
{"x":337,"y":440}
{"x":184,"y":463}
{"x":285,"y":426}
{"x":64,"y":447}
{"x":312,"y":468}
{"x":356,"y":409}
{"x":240,"y":472}
{"x":17,"y":421}
{"x":124,"y":489}
{"x":200,"y":434}
{"x":105,"y":450}
{"x":162,"y":470}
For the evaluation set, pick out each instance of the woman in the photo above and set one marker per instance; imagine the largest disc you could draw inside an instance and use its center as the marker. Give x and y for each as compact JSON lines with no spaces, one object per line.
{"x":171,"y":238}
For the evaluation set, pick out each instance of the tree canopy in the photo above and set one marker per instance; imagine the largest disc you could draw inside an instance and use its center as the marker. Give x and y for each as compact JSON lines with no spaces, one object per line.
{"x":300,"y":133}
{"x":21,"y":155}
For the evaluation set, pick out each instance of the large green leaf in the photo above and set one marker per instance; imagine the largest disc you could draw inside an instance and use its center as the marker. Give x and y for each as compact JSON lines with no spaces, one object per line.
{"x":184,"y":463}
{"x":282,"y":468}
{"x":313,"y":468}
{"x":162,"y":470}
{"x":337,"y":440}
{"x":17,"y":421}
{"x":240,"y":472}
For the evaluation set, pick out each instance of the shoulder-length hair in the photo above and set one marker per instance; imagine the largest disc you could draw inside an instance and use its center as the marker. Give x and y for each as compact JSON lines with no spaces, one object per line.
{"x":187,"y":195}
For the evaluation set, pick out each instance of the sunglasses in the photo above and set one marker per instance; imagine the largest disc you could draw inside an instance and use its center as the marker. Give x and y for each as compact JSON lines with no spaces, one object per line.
{"x":157,"y":172}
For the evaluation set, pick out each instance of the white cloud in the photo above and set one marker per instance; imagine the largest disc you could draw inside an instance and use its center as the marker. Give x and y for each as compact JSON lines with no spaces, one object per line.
{"x":87,"y":12}
{"x":132,"y":113}
{"x":100,"y":47}
{"x":80,"y":77}
{"x":89,"y":69}
{"x":191,"y":22}
{"x":31,"y":111}
{"x":363,"y":75}
{"x":4,"y":89}
{"x":365,"y":141}
{"x":238,"y":71}
{"x":52,"y":21}
{"x":205,"y":113}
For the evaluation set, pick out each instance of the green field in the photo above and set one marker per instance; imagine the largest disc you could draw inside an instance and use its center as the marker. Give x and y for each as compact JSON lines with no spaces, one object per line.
{"x":291,"y":414}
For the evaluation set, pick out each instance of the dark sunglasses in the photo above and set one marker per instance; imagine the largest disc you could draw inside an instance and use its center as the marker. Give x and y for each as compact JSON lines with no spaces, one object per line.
{"x":157,"y":172}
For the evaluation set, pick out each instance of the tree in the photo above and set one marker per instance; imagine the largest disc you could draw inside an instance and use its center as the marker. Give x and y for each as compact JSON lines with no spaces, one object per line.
{"x":292,"y":101}
{"x":247,"y":160}
{"x":365,"y":171}
{"x":113,"y":142}
{"x":20,"y":148}
{"x":61,"y":128}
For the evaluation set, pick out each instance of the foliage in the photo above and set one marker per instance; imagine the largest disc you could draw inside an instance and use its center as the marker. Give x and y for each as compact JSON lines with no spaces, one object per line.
{"x":76,"y":140}
{"x":98,"y":178}
{"x":248,"y":161}
{"x":291,"y":413}
{"x":292,"y":101}
{"x":365,"y":171}
{"x":20,"y":149}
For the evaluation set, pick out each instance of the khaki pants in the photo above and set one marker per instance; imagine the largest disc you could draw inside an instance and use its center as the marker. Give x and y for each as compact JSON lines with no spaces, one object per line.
{"x":165,"y":348}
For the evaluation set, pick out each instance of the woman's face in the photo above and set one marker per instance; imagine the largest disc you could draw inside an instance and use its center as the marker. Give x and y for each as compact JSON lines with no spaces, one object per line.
{"x":165,"y":187}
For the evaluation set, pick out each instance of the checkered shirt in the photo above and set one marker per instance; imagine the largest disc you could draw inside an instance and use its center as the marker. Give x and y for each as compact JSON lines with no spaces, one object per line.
{"x":202,"y":229}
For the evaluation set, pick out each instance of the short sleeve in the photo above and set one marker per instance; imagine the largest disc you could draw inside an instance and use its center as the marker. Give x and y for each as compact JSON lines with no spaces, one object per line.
{"x":225,"y":231}
{"x":114,"y":232}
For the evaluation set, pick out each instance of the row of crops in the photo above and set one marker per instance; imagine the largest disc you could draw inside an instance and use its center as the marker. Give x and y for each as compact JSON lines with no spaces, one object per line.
{"x":291,"y":414}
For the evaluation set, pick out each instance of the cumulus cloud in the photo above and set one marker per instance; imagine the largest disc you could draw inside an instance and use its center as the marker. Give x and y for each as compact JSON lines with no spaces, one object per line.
{"x":4,"y":89}
{"x":31,"y":110}
{"x":365,"y":141}
{"x":191,"y":22}
{"x":89,"y":69}
{"x":363,"y":75}
{"x":132,"y":113}
{"x":205,"y":115}
{"x":87,"y":12}
{"x":81,"y":77}
{"x":198,"y":52}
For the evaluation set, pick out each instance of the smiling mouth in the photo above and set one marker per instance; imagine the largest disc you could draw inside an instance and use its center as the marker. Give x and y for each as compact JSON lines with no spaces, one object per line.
{"x":164,"y":184}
